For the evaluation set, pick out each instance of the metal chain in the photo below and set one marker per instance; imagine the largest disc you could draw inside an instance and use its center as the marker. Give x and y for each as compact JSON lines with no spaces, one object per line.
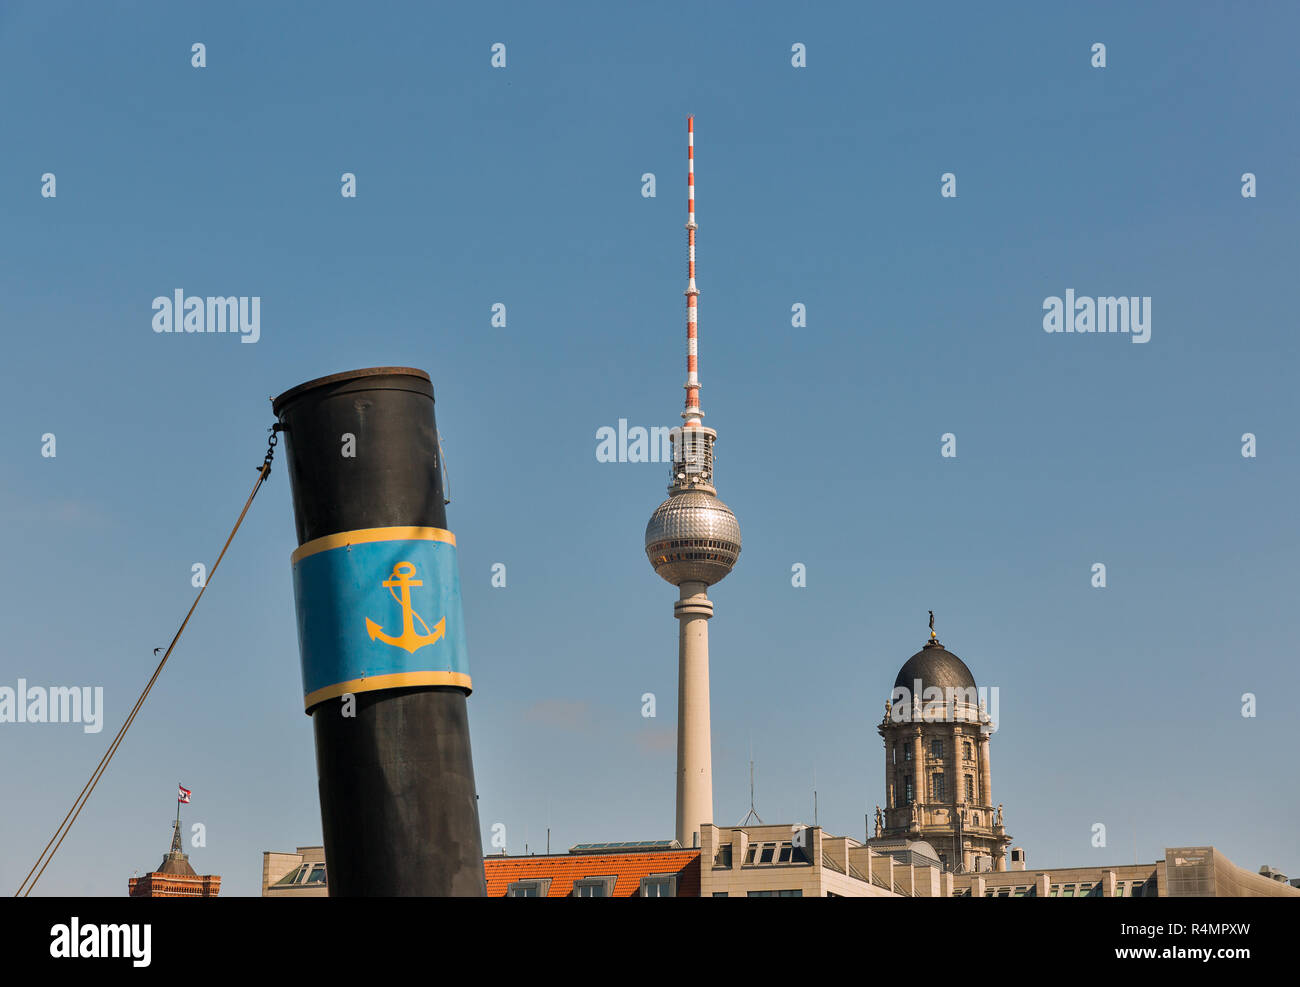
{"x":275,"y":431}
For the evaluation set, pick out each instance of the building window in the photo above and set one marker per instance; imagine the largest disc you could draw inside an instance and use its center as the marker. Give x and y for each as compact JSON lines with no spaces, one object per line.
{"x":909,"y":794}
{"x":776,"y":853}
{"x":936,"y":748}
{"x":723,"y":859}
{"x":790,"y":893}
{"x":304,"y":874}
{"x":594,"y":887}
{"x":907,"y":753}
{"x":970,"y":789}
{"x":936,"y":787}
{"x":659,"y":886}
{"x":529,"y":889}
{"x":968,"y":751}
{"x":719,"y":894}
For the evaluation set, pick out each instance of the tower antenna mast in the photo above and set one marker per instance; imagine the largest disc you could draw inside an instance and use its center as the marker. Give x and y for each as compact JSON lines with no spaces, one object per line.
{"x":753,"y":812}
{"x":692,"y":414}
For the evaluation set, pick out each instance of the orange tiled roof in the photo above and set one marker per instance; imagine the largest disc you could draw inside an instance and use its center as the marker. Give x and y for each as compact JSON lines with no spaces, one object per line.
{"x":564,"y":869}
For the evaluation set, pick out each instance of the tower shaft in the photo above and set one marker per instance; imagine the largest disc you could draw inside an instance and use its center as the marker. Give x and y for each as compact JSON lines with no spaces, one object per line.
{"x":694,"y":741}
{"x":693,"y":541}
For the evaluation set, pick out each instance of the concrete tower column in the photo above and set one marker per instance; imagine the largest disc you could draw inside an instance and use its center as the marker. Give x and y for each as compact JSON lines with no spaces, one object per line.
{"x":986,"y":785}
{"x":694,"y":744}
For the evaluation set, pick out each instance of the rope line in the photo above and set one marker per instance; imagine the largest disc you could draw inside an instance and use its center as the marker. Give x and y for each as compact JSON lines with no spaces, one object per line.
{"x":29,"y":882}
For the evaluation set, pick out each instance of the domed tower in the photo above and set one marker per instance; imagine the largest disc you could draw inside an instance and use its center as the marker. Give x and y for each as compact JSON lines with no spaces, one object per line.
{"x":937,"y":788}
{"x":693,"y":541}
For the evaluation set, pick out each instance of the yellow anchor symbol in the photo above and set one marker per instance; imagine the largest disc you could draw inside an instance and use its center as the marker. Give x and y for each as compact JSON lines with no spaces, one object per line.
{"x":402,"y":577}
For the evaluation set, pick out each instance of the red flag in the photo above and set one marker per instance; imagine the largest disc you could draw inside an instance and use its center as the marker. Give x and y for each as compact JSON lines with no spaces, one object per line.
{"x":184,"y":795}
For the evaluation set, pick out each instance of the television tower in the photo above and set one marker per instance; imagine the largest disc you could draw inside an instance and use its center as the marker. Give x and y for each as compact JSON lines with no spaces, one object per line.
{"x":693,"y":541}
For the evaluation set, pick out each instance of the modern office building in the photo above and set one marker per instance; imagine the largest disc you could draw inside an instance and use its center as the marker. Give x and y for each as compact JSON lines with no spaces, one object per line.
{"x":798,"y":861}
{"x":295,"y":875}
{"x":762,"y":861}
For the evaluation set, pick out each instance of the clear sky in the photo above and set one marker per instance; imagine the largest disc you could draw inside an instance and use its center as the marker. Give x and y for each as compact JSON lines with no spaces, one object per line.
{"x":522,"y":186}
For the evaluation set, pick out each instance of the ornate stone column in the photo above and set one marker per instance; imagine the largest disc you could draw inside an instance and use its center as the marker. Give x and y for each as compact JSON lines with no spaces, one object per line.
{"x":986,"y":785}
{"x":889,"y":775}
{"x":918,"y":773}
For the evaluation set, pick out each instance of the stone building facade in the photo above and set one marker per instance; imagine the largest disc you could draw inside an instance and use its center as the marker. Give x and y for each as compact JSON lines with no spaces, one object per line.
{"x":1185,"y":872}
{"x":938,"y":785}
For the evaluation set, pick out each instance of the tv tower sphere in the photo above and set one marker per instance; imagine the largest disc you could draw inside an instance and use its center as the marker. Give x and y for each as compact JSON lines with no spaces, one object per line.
{"x":692,"y":537}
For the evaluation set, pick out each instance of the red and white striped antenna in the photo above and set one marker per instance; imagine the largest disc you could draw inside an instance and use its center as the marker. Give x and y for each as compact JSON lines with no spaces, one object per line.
{"x":692,"y":414}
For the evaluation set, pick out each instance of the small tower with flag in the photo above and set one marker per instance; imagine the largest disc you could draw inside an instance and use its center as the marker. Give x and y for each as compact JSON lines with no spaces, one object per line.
{"x":174,"y":877}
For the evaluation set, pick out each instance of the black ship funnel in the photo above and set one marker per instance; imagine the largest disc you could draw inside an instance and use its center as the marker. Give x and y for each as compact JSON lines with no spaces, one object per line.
{"x":384,"y":666}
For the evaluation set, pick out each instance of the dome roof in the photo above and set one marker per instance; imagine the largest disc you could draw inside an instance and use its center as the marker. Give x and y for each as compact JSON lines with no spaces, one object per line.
{"x":935,"y":666}
{"x":692,"y":536}
{"x":176,"y":863}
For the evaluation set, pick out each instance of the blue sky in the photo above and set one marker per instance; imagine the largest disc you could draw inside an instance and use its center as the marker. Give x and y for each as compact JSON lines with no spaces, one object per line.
{"x":522,"y":185}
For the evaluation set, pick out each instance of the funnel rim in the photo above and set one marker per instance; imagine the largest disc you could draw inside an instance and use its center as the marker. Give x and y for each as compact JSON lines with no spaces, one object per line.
{"x":278,"y":403}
